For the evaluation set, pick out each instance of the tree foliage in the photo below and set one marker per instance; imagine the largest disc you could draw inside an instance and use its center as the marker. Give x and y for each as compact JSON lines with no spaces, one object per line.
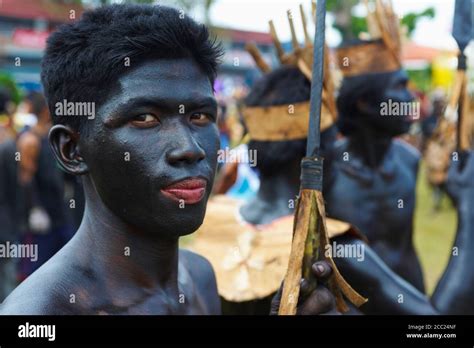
{"x":350,"y":26}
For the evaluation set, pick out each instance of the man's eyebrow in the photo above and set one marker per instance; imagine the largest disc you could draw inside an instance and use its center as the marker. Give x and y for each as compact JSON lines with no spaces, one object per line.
{"x":204,"y":102}
{"x":135,"y":103}
{"x":167,"y":104}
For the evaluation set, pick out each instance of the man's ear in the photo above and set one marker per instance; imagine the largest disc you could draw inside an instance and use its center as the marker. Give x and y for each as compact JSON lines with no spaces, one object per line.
{"x":65,"y":144}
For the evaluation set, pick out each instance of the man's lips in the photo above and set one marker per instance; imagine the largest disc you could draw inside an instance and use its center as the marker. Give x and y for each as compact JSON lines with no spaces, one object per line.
{"x":189,"y":191}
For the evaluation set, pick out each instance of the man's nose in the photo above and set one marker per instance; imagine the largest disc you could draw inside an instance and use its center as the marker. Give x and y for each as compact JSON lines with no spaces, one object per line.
{"x":185,"y":148}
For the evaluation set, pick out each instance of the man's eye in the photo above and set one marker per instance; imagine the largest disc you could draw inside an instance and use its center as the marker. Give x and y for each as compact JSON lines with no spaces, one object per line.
{"x":145,"y":120}
{"x":200,"y":119}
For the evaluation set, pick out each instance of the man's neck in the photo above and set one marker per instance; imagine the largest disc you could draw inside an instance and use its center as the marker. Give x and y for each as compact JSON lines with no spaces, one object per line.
{"x":274,"y":197}
{"x":279,"y":187}
{"x":370,"y":146}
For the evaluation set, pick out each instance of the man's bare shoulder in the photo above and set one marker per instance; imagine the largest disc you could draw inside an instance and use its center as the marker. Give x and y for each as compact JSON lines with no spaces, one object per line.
{"x":410,"y":154}
{"x":203,"y":276}
{"x":53,"y":289}
{"x":48,"y":291}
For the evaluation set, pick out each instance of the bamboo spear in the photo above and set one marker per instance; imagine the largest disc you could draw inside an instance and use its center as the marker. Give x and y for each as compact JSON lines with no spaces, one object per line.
{"x":310,"y":232}
{"x":463,"y":32}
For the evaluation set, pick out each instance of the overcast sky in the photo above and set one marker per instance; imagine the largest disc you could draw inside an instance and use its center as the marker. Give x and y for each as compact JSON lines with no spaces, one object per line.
{"x":254,"y":15}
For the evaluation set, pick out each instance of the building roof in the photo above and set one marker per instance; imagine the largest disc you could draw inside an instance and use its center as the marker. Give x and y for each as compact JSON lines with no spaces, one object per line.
{"x":244,"y":36}
{"x":415,"y":52}
{"x":55,"y":11}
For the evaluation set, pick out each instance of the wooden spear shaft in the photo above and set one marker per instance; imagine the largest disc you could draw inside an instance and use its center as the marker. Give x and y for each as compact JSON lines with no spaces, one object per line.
{"x":310,"y":231}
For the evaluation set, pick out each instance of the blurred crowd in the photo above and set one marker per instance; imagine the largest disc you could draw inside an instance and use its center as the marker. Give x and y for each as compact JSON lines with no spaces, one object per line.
{"x":39,"y":204}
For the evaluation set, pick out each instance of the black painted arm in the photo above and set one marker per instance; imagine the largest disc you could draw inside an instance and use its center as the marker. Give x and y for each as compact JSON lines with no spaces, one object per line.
{"x":387,"y":292}
{"x":454,"y":293}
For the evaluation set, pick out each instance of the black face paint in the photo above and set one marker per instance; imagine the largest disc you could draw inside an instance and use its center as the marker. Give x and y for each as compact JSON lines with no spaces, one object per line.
{"x":157,"y":129}
{"x":395,"y":108}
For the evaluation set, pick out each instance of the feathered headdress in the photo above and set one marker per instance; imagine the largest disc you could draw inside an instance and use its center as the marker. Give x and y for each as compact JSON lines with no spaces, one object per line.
{"x":382,"y":53}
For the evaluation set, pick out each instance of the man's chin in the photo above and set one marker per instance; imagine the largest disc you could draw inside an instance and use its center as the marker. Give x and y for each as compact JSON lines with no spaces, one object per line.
{"x":188,"y":231}
{"x":169,"y":232}
{"x":394,"y":129}
{"x":181,"y":225}
{"x":171,"y":221}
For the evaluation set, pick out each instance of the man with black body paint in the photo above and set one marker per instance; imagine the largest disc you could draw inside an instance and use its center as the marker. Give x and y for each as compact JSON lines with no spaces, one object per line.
{"x":370,"y":177}
{"x":147,"y":161}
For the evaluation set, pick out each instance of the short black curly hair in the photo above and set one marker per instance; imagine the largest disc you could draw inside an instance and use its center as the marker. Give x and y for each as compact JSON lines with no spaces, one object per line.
{"x":84,"y":59}
{"x":283,"y":86}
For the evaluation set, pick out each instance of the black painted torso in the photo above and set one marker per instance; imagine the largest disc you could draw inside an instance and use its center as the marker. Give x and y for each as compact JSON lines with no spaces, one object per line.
{"x":380,"y":202}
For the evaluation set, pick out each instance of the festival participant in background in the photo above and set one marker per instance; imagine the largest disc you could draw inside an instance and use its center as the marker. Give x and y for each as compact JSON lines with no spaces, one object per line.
{"x":440,"y":144}
{"x":147,"y":167}
{"x":7,"y":183}
{"x":429,"y":123}
{"x":9,"y":231}
{"x":374,"y":172}
{"x":6,"y":113}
